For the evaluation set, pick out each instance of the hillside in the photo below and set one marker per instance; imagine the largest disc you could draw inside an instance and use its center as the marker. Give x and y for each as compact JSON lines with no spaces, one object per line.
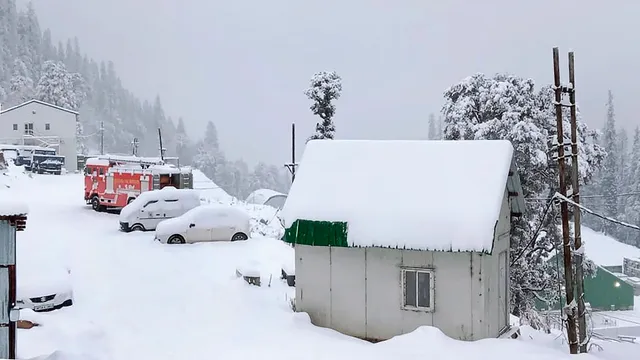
{"x":605,"y":250}
{"x":33,"y":66}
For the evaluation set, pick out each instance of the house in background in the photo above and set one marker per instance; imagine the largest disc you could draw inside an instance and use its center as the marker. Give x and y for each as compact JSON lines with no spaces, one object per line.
{"x":267,"y":197}
{"x":434,"y":252}
{"x":41,"y":124}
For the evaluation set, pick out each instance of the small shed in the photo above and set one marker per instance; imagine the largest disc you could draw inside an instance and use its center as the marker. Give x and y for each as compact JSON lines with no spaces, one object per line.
{"x":604,"y":291}
{"x":267,"y":197}
{"x":13,"y":217}
{"x":434,"y":252}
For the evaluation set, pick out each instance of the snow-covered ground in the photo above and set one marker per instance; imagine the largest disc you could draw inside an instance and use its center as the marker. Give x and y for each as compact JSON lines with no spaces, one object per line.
{"x":605,"y":250}
{"x":138,"y":299}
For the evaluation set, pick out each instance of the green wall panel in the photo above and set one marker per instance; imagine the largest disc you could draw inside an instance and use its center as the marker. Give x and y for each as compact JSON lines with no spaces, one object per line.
{"x":317,"y":233}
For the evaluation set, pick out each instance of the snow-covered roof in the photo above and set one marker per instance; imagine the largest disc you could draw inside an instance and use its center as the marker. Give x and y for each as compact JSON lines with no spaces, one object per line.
{"x":41,"y":103}
{"x":261,"y":196}
{"x":422,"y":195}
{"x":9,"y":208}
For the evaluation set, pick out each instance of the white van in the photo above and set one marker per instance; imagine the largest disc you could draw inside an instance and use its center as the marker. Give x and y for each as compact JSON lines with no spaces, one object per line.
{"x":151,"y":207}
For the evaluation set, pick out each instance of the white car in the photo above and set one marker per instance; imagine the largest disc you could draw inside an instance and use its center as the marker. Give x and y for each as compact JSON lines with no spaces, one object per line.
{"x":45,"y":290}
{"x":205,"y":223}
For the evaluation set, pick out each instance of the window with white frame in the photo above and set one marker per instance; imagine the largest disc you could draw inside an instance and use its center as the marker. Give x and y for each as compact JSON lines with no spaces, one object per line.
{"x":47,"y":126}
{"x":417,"y":289}
{"x":15,"y":127}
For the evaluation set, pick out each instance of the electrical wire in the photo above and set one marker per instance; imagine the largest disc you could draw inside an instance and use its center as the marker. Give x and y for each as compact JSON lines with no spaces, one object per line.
{"x":590,"y":196}
{"x":535,"y":235}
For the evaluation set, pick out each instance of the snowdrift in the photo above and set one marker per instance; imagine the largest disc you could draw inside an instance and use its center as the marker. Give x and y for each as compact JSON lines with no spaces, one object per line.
{"x":605,"y":250}
{"x":127,"y":288}
{"x":210,"y":191}
{"x":264,"y":218}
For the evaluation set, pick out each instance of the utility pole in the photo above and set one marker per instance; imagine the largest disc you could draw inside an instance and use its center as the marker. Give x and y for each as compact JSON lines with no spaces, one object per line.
{"x":575,"y":191}
{"x":568,"y":311}
{"x":101,"y":137}
{"x":134,"y":146}
{"x":161,"y":148}
{"x":292,"y":165}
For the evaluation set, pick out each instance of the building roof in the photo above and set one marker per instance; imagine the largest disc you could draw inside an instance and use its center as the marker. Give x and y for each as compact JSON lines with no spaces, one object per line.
{"x":15,"y":212}
{"x":38,"y":102}
{"x":422,"y":195}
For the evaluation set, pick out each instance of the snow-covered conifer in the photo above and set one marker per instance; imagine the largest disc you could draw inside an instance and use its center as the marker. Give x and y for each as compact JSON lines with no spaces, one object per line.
{"x":325,"y":87}
{"x":509,"y":107}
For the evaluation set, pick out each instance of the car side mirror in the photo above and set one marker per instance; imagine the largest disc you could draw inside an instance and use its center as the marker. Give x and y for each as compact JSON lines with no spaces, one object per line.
{"x":192,"y":225}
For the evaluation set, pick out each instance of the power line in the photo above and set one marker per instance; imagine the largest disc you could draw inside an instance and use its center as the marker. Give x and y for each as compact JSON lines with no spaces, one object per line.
{"x":603,"y":217}
{"x":637,"y":193}
{"x":535,"y":235}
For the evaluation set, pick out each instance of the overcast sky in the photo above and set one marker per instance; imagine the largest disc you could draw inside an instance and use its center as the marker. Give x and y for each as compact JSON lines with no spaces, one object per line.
{"x":245,"y":64}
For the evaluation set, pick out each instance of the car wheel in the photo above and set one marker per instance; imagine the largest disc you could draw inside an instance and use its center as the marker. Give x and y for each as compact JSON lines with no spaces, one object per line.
{"x":239,"y":237}
{"x":137,"y":227}
{"x":95,"y":203}
{"x":175,"y":239}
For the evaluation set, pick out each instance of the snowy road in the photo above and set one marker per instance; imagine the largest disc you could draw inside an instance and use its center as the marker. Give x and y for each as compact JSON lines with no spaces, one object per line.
{"x":137,"y":299}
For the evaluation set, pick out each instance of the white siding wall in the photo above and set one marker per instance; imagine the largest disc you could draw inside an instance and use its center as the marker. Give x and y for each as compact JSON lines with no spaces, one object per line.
{"x":358,"y":291}
{"x":497,"y":319}
{"x":62,"y":124}
{"x":363,"y":296}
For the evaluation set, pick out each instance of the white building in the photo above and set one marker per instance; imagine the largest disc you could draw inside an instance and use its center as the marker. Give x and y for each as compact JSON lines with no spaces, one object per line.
{"x":42,"y":124}
{"x":393,"y":235}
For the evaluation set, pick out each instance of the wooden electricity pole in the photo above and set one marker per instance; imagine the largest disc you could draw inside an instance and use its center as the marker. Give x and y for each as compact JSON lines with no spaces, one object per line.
{"x":564,"y":211}
{"x":575,"y":191}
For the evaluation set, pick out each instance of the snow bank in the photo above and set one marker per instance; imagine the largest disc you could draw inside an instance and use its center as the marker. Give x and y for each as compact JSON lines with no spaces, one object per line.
{"x":605,"y":250}
{"x":11,"y":180}
{"x":210,"y":192}
{"x":424,"y":195}
{"x":128,"y":288}
{"x":264,"y":219}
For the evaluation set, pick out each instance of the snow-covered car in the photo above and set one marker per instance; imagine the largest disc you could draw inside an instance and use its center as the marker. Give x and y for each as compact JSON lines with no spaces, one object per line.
{"x":151,"y":207}
{"x":205,"y":223}
{"x":44,"y":290}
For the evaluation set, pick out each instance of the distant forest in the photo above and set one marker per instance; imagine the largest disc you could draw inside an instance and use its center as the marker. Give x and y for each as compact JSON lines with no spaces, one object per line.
{"x":32,"y":66}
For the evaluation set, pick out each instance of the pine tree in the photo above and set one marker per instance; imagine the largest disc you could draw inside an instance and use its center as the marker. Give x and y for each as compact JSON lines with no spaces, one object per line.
{"x":21,"y":85}
{"x":433,"y":131}
{"x":209,"y":157}
{"x":183,"y":144}
{"x":633,"y":206}
{"x":325,"y":87}
{"x":609,"y":183}
{"x":30,"y":41}
{"x":56,"y":86}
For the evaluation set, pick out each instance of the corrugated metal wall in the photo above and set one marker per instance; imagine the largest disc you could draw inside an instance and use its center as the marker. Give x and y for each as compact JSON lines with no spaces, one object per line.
{"x":7,"y":259}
